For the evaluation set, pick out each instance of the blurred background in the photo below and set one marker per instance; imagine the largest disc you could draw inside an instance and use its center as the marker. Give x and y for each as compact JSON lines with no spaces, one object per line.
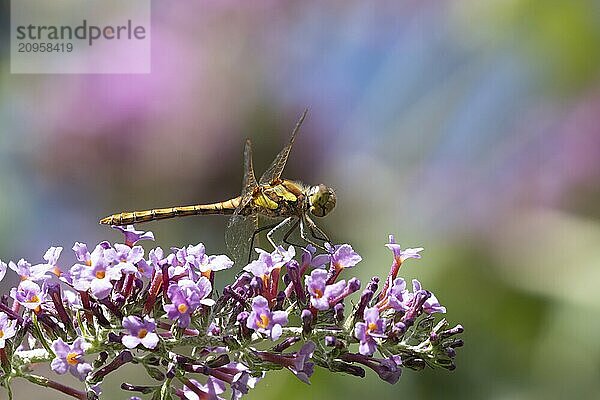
{"x":469,"y":128}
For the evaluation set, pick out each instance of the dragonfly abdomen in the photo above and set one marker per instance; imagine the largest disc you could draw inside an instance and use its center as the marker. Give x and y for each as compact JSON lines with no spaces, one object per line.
{"x":134,"y":217}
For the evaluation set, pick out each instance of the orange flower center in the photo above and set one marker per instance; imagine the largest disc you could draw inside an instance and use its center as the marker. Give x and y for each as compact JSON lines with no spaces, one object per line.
{"x":34,"y":299}
{"x":264,"y":321}
{"x":88,"y":263}
{"x":100,"y":274}
{"x":182,"y":308}
{"x":142,"y":333}
{"x":1,"y":333}
{"x":318,"y":293}
{"x":73,"y":358}
{"x":372,"y":326}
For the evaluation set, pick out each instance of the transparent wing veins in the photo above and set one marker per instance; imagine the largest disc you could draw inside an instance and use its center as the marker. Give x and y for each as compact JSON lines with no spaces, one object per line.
{"x":275,"y":170}
{"x":240,"y":228}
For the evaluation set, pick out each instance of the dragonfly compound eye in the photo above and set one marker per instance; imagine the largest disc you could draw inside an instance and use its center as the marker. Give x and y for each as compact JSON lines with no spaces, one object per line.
{"x":322,"y":200}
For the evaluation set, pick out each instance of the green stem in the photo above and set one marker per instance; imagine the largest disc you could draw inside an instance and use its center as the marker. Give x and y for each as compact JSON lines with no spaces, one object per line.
{"x":40,"y":336}
{"x":165,"y":390}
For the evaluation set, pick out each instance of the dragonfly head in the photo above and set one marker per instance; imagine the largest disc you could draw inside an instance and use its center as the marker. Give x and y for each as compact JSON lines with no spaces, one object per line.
{"x":321,"y":200}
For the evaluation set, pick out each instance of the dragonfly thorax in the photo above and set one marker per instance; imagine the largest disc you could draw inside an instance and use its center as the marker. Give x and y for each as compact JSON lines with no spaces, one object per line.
{"x":321,"y":200}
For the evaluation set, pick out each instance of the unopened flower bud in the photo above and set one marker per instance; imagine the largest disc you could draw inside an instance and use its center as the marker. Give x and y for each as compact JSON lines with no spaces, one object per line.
{"x":137,"y":388}
{"x":307,"y":319}
{"x":242,"y":319}
{"x":353,"y":285}
{"x":458,"y":329}
{"x":288,"y":342}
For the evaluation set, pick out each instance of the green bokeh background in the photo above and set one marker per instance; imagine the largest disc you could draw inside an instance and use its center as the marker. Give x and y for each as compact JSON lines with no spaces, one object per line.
{"x":469,"y":128}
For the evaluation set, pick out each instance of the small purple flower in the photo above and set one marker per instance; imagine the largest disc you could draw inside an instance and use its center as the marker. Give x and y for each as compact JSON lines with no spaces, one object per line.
{"x":28,"y":294}
{"x":398,"y":297}
{"x":401,"y":255}
{"x":191,"y":254}
{"x":186,"y":261}
{"x":242,"y":380}
{"x":258,"y":268}
{"x":7,"y":329}
{"x":186,"y":296}
{"x":98,"y":272}
{"x":309,"y":258}
{"x":26,"y":271}
{"x":51,"y":265}
{"x":343,"y":256}
{"x":317,"y":261}
{"x":82,"y":253}
{"x":431,"y":305}
{"x":213,"y":329}
{"x":156,"y":258}
{"x":373,"y":327}
{"x":216,"y":263}
{"x":124,"y":256}
{"x":87,"y":263}
{"x":237,"y":375}
{"x":299,"y":363}
{"x":144,"y":269}
{"x":276,"y":259}
{"x":183,"y":262}
{"x":262,"y":320}
{"x":196,"y":259}
{"x":303,"y":368}
{"x":388,"y":369}
{"x":70,"y":358}
{"x":213,"y":388}
{"x":267,"y":269}
{"x":322,"y":294}
{"x":177,"y":272}
{"x":140,"y":331}
{"x":132,"y":236}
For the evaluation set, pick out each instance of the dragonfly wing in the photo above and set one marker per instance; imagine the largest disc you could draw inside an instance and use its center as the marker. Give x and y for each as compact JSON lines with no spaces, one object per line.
{"x":275,"y":170}
{"x":249,"y":182}
{"x":240,"y":227}
{"x":238,"y":236}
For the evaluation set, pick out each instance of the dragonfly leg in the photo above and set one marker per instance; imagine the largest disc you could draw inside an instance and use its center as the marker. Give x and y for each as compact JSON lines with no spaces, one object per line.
{"x":289,"y":232}
{"x":314,"y":230}
{"x":306,"y":238}
{"x":256,"y":232}
{"x":278,"y":226}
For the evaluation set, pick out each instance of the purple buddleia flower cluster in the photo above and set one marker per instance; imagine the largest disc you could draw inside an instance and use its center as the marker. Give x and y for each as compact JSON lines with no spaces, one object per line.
{"x":116,"y":304}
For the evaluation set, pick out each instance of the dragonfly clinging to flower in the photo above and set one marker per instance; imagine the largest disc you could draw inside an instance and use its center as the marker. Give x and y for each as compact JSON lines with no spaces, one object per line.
{"x":291,"y":203}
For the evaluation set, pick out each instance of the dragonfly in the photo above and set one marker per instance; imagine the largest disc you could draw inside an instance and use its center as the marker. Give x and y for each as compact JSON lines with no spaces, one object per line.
{"x":291,"y":203}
